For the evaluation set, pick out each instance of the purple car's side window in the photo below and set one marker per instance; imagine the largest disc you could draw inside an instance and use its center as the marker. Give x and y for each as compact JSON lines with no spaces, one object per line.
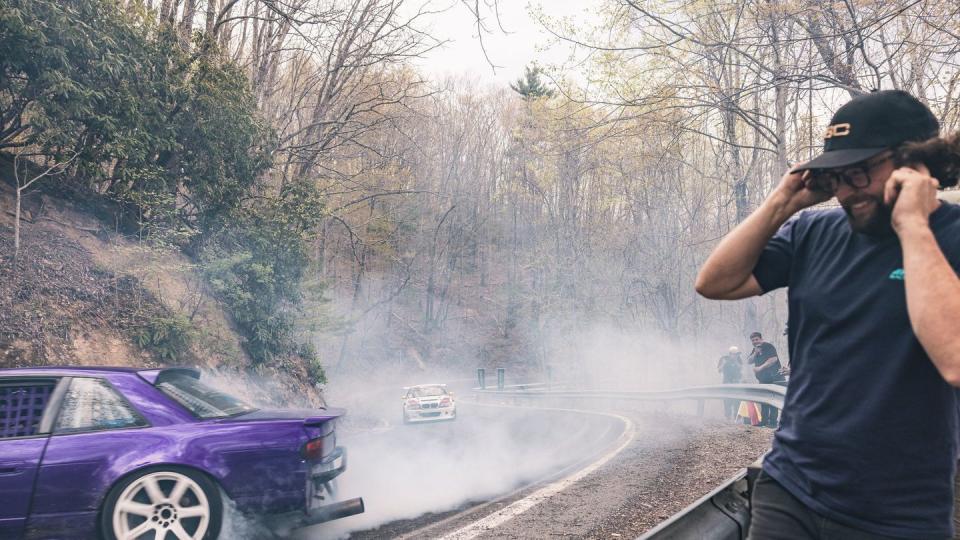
{"x":21,"y":407}
{"x":92,"y":405}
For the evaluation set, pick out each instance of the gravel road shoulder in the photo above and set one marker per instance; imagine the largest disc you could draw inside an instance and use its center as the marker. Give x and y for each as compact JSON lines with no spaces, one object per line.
{"x":673,"y":461}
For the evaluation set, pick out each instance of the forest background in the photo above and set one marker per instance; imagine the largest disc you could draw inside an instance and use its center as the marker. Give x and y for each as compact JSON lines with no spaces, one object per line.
{"x":351,"y":214}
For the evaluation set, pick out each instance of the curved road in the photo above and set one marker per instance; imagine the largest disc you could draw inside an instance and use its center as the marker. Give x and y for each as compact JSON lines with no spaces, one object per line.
{"x":431,"y":479}
{"x":523,"y":473}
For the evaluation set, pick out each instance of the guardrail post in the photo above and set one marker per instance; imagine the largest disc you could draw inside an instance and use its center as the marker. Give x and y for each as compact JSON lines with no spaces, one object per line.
{"x":482,"y":378}
{"x":500,"y":378}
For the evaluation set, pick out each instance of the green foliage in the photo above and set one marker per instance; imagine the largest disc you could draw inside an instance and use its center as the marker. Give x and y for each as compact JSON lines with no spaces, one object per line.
{"x":531,"y":86}
{"x":315,"y":371}
{"x":224,"y":144}
{"x":175,"y":137}
{"x":204,"y":144}
{"x":61,"y":70}
{"x":257,"y":269}
{"x":167,"y":336}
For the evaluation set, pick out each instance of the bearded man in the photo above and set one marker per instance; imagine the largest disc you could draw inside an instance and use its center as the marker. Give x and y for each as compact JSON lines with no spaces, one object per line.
{"x":867,"y":444}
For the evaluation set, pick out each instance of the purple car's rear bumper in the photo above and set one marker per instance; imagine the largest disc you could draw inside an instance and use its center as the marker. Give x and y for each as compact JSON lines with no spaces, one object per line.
{"x":319,"y":489}
{"x":328,"y":469}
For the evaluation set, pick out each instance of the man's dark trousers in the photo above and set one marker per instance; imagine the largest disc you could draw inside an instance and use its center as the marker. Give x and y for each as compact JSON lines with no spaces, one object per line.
{"x":770,"y":413}
{"x":777,"y":515}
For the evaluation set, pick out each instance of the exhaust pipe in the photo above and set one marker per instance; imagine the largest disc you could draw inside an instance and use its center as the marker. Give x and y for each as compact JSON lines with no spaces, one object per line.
{"x":334,"y":511}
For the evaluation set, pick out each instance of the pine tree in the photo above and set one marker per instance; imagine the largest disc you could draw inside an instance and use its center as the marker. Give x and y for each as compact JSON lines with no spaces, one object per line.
{"x":531,"y":86}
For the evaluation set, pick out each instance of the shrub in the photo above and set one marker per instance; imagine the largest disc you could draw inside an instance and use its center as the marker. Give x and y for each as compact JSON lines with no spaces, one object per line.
{"x":167,"y":336}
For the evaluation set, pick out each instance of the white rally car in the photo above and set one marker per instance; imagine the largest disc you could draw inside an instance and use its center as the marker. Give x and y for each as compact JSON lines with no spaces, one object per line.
{"x":427,"y":403}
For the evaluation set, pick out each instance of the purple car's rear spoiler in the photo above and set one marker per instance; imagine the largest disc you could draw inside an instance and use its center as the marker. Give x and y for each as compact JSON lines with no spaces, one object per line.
{"x":329,"y":414}
{"x":309,"y":417}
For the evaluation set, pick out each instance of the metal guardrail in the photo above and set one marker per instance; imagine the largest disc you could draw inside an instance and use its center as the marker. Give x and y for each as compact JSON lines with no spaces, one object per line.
{"x":770,"y":394}
{"x":526,"y":386}
{"x":722,"y":514}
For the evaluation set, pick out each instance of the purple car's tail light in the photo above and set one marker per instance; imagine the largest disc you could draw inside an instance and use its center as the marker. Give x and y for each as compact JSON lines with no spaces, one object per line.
{"x":21,"y":408}
{"x":319,"y":448}
{"x":313,"y":450}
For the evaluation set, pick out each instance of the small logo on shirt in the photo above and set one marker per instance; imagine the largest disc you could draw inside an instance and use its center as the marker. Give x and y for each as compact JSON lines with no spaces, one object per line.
{"x":897,"y":275}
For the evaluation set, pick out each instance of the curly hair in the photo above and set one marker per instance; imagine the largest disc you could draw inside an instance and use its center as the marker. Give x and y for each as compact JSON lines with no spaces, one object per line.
{"x":940,"y":154}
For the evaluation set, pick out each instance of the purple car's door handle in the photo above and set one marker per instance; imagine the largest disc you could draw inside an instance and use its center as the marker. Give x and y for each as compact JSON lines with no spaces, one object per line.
{"x":7,"y":469}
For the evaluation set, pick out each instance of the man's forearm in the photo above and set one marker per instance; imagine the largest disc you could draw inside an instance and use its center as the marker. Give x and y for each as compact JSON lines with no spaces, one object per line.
{"x":769,"y":362}
{"x":731,"y":264}
{"x":933,"y":299}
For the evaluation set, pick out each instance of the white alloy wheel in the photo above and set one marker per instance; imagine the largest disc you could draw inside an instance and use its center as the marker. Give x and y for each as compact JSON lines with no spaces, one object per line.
{"x":162,"y":505}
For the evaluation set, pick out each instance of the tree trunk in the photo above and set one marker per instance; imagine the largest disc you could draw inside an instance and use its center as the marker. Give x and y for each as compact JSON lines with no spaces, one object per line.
{"x":168,"y":11}
{"x":186,"y":23}
{"x":16,"y":227}
{"x":780,"y":100}
{"x":843,"y":71}
{"x":362,"y":267}
{"x":741,"y":198}
{"x":212,"y":7}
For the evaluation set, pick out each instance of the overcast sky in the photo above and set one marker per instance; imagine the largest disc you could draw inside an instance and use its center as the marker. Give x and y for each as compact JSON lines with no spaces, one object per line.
{"x":510,"y":51}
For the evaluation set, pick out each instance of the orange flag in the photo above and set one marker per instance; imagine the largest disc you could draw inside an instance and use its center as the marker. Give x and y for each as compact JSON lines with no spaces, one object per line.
{"x":750,"y":411}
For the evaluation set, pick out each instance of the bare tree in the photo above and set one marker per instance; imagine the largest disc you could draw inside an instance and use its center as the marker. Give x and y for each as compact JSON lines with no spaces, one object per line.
{"x":55,"y":168}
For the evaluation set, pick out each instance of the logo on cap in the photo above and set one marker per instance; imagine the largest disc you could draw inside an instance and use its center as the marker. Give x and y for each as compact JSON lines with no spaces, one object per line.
{"x":837,"y":130}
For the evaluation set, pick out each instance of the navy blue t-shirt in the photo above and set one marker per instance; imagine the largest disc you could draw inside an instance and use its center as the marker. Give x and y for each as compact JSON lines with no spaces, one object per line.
{"x":868,"y":435}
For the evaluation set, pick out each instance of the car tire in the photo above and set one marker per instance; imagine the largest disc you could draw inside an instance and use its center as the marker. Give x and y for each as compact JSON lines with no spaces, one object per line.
{"x":144,"y":501}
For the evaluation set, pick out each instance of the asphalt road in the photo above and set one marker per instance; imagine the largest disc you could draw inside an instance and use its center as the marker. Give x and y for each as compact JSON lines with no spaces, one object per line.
{"x":423,"y":480}
{"x":572,"y":474}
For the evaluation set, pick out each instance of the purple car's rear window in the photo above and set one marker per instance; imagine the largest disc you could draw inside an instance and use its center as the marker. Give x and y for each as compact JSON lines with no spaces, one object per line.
{"x":21,"y":407}
{"x":198,"y":398}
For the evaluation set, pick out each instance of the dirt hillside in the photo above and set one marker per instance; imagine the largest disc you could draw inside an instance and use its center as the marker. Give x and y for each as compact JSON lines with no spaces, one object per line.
{"x":82,"y":294}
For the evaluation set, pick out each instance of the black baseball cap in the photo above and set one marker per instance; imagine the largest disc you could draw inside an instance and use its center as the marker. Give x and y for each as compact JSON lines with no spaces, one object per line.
{"x":871,"y":123}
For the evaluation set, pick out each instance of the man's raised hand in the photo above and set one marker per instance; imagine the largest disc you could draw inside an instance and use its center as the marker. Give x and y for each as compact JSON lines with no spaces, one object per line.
{"x":912,"y":193}
{"x":797,"y":192}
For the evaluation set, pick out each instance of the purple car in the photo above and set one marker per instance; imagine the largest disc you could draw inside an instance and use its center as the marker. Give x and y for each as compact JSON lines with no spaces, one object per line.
{"x":121,"y":453}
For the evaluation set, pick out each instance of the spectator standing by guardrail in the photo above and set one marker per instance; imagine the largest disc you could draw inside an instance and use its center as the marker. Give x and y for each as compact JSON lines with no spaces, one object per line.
{"x":730,"y":366}
{"x":867,"y":446}
{"x":767,"y":369}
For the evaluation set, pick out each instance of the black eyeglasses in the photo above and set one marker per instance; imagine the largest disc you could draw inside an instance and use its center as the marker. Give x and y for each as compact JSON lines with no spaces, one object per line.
{"x":858,"y":176}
